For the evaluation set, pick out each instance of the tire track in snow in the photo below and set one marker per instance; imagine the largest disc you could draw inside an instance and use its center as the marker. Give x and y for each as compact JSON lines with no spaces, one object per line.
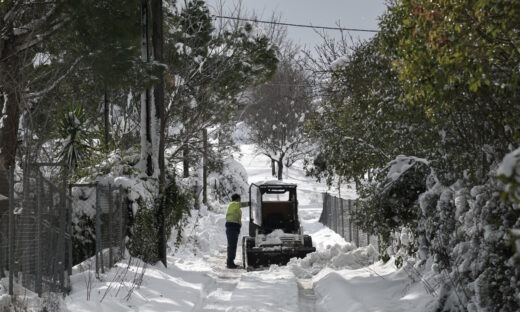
{"x":216,"y":296}
{"x":307,"y":297}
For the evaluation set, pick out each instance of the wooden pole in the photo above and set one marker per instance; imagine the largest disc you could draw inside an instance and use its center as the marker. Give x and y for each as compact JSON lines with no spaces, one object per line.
{"x":205,"y":167}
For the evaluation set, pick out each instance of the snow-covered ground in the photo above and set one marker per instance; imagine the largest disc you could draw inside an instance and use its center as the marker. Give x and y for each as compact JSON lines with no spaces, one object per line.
{"x":338,"y":277}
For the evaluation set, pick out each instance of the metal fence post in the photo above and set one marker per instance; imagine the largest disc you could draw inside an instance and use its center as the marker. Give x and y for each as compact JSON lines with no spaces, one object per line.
{"x":123,"y":222}
{"x":69,"y":223}
{"x":357,"y":227}
{"x":110,"y":232}
{"x":324,"y":204}
{"x":98,"y":230}
{"x":336,"y":209}
{"x":338,"y":215}
{"x":342,"y":219}
{"x":350,"y":220}
{"x":330,"y":204}
{"x":11,"y":230}
{"x":335,"y":215}
{"x":61,"y":237}
{"x":39,"y":193}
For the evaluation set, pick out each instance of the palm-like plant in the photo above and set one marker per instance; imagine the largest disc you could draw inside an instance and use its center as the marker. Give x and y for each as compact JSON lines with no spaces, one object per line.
{"x":76,"y":142}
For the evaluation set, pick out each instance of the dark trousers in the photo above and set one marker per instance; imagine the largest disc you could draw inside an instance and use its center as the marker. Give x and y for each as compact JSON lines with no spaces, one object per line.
{"x":232,"y":232}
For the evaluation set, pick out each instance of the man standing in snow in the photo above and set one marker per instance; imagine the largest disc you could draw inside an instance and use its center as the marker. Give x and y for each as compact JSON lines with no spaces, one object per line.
{"x":233,"y":225}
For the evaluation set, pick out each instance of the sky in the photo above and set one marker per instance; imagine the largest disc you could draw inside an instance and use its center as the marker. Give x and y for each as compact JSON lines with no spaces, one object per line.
{"x":349,"y":13}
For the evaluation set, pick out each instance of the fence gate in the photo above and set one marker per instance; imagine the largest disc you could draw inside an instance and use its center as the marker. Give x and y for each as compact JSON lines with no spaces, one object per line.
{"x":109,"y":221}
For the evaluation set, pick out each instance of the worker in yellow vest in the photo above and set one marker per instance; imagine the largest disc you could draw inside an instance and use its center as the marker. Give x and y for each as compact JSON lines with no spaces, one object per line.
{"x":233,"y":225}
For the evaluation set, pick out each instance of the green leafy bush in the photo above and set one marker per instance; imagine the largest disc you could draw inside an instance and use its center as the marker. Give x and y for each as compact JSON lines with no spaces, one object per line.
{"x":145,"y":225}
{"x":389,"y":203}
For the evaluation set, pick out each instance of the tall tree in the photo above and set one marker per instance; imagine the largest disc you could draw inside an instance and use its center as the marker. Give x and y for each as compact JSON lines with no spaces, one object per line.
{"x":62,"y":35}
{"x":458,"y":61}
{"x":362,"y":121}
{"x":23,"y":26}
{"x":277,"y":113}
{"x":207,"y":71}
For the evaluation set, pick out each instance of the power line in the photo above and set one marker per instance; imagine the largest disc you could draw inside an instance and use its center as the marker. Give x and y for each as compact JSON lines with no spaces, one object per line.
{"x":295,"y":25}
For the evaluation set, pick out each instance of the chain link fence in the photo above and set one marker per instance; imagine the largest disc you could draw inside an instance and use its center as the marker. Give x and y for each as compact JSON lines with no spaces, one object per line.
{"x":37,"y":228}
{"x":107,"y":232}
{"x":337,"y":214}
{"x":35,"y":234}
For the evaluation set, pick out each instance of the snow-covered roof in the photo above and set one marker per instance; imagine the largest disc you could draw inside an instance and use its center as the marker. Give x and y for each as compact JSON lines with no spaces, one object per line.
{"x":274,"y":182}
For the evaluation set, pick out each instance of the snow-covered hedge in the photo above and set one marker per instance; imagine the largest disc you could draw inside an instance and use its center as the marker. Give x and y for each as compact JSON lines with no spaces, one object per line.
{"x":469,"y":231}
{"x":389,"y":202}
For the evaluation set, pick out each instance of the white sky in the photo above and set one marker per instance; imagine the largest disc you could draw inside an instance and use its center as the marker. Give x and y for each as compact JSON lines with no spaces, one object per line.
{"x":349,"y":13}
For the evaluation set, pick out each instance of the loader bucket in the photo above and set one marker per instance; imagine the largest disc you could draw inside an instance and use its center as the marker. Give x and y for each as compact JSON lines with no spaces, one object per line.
{"x":264,"y":257}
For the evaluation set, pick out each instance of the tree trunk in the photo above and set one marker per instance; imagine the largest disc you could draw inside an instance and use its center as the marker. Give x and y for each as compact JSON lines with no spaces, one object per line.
{"x":157,"y":41}
{"x":280,"y":167}
{"x":205,"y":167}
{"x":185,"y":161}
{"x":107,"y":123}
{"x":146,"y":122}
{"x":10,"y":108}
{"x":273,"y":168}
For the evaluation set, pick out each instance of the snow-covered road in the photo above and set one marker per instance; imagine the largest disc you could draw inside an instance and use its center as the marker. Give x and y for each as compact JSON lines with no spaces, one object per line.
{"x":338,"y":277}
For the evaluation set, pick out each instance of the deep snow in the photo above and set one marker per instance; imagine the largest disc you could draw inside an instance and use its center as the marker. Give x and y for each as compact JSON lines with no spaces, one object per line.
{"x":338,"y":277}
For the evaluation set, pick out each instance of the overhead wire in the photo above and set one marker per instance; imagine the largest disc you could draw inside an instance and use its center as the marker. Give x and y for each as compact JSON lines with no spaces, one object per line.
{"x":295,"y":25}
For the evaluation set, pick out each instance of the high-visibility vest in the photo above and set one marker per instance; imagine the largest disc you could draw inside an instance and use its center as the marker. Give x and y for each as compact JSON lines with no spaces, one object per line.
{"x":233,"y":213}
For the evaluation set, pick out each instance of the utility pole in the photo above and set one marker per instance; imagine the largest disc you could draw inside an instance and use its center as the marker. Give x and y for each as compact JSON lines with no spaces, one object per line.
{"x":158,"y":45}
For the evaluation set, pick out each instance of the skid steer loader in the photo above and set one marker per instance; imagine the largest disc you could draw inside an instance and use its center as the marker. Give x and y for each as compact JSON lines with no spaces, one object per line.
{"x":275,"y":234}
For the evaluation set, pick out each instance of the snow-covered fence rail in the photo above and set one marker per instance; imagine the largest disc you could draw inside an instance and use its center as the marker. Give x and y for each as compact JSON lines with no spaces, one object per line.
{"x":107,"y":206}
{"x":38,"y":249}
{"x":337,"y":214}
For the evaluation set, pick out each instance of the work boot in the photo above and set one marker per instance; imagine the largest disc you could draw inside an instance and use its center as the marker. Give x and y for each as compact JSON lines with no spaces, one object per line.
{"x":232,"y":266}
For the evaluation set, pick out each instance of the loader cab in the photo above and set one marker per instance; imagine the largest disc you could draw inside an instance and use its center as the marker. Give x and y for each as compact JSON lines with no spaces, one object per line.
{"x":275,"y":235}
{"x":273,"y":206}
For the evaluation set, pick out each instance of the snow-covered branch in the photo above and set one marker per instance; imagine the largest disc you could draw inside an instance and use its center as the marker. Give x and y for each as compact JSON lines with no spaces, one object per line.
{"x":33,"y":25}
{"x":41,"y":93}
{"x":40,"y":37}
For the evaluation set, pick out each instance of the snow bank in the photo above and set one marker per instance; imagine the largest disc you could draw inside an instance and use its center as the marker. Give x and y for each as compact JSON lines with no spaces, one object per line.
{"x":335,"y":257}
{"x":204,"y":234}
{"x":5,"y":299}
{"x":133,"y":285}
{"x":378,"y":287}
